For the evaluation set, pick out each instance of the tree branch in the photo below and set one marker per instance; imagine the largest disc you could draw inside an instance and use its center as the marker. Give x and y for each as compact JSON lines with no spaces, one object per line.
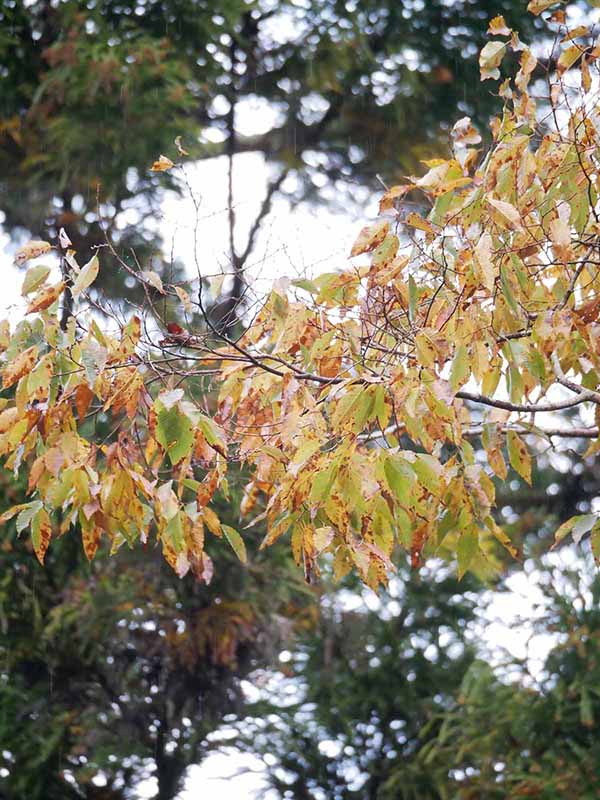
{"x":531,"y":408}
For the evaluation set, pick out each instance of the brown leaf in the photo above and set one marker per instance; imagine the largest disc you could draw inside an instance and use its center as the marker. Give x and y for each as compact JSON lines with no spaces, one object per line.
{"x":90,"y":538}
{"x":54,"y":460}
{"x":8,"y":417}
{"x":370,"y":237}
{"x":83,"y":398}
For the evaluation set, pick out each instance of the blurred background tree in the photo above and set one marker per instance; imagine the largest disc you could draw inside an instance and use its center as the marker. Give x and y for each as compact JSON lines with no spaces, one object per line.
{"x":410,"y":700}
{"x":528,"y":729}
{"x":367,"y":689}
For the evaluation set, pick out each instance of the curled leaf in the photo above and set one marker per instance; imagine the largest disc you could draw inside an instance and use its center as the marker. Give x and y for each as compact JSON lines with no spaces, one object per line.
{"x":153,"y":279}
{"x":490,"y":59}
{"x":236,"y":542}
{"x":370,"y":237}
{"x":162,"y":164}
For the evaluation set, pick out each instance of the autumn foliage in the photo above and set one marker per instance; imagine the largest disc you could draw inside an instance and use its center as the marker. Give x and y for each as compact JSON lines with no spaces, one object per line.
{"x":358,"y":402}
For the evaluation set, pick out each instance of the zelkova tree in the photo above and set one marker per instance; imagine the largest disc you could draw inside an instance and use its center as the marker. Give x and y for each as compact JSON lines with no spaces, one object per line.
{"x":355,"y":401}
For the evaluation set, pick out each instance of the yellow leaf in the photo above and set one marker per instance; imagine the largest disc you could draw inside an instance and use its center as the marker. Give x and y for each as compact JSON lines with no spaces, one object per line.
{"x":537,"y":6}
{"x":90,"y":537}
{"x":498,"y":27}
{"x":21,"y":365}
{"x":392,"y":196}
{"x":41,"y":531}
{"x":416,"y":221}
{"x":519,"y":456}
{"x":162,"y":164}
{"x":236,"y":542}
{"x":460,"y":368}
{"x":507,"y":211}
{"x":569,"y":57}
{"x":483,"y":253}
{"x":86,"y":277}
{"x":370,"y":237}
{"x":185,"y":299}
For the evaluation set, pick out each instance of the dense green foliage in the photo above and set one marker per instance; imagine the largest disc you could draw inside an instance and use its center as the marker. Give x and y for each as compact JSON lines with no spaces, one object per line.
{"x":402,"y":702}
{"x":369,"y":690}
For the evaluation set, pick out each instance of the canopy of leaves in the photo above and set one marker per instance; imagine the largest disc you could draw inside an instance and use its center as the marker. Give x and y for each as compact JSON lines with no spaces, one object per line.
{"x":355,"y":400}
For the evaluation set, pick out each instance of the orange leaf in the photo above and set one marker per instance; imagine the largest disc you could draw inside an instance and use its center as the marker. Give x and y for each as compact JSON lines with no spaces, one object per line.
{"x":45,"y":298}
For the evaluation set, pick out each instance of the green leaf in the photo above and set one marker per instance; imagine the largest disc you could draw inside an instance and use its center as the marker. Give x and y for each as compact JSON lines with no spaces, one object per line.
{"x":27,"y":514}
{"x":400,"y":479}
{"x":460,"y":368}
{"x":212,"y":434}
{"x":578,"y":526}
{"x":507,"y":291}
{"x":426,"y":468}
{"x":174,"y":433}
{"x":308,"y":286}
{"x":595,"y":537}
{"x":519,"y":457}
{"x":174,"y":531}
{"x":34,"y":278}
{"x":586,"y":708}
{"x":86,"y":277}
{"x":322,"y":483}
{"x":40,"y":377}
{"x":236,"y":542}
{"x":356,"y":405}
{"x":466,"y":550}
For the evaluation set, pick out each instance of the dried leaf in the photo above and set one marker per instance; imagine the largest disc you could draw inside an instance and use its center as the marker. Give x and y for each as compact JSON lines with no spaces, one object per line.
{"x":45,"y":298}
{"x":153,"y":279}
{"x":162,"y":164}
{"x":20,"y":366}
{"x":32,"y":249}
{"x":370,"y":237}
